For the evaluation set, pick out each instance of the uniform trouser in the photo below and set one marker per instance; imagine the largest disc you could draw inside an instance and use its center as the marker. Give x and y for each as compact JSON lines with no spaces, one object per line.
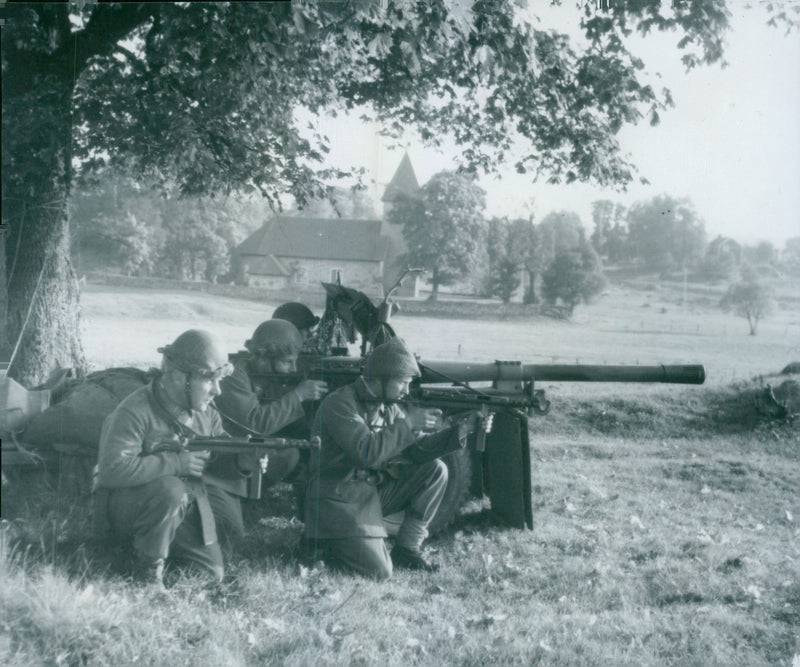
{"x":419,"y":494}
{"x":163,"y":519}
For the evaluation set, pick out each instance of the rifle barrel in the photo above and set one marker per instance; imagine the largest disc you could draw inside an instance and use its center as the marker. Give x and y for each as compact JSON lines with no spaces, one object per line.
{"x":441,"y":371}
{"x":245,"y":444}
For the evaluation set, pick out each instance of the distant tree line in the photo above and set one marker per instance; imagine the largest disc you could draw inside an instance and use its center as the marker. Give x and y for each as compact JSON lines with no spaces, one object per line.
{"x":666,"y":235}
{"x":119,"y":224}
{"x":448,"y":235}
{"x":116,"y":222}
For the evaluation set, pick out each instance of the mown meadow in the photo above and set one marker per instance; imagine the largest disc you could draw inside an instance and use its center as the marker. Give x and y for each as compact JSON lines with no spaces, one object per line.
{"x":667,"y":519}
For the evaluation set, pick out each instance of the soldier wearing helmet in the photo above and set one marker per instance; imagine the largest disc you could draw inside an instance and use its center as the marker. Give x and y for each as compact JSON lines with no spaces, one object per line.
{"x":259,"y":399}
{"x":303,"y":319}
{"x":362,"y":474}
{"x":169,"y":501}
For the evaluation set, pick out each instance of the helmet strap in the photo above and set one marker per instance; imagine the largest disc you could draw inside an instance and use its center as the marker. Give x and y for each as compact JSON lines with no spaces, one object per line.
{"x":187,"y":392}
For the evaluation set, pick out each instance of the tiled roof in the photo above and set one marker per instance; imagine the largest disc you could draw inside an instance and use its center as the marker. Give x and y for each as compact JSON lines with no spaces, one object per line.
{"x":317,"y":238}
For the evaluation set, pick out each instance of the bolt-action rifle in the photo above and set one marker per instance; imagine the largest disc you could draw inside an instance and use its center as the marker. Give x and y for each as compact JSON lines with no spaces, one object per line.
{"x":249,"y":445}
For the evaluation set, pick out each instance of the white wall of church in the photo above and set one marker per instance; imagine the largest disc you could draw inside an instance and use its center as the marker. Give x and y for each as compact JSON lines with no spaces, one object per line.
{"x":364,"y":276}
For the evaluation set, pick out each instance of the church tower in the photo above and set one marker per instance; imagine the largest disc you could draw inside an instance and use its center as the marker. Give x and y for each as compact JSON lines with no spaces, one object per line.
{"x":404,"y":182}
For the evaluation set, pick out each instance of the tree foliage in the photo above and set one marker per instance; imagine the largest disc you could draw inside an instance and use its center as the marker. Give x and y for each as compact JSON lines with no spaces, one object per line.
{"x":574,"y":276}
{"x":120,"y":225}
{"x":790,"y":258}
{"x":339,"y":202}
{"x":721,"y":260}
{"x":750,"y":299}
{"x":666,"y":233}
{"x":610,"y":232}
{"x":559,"y":231}
{"x":524,"y":240}
{"x":505,"y":260}
{"x":443,"y":226}
{"x":202,"y":98}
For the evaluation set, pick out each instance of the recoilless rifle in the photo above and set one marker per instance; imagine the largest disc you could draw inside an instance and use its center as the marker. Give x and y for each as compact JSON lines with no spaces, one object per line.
{"x":495,"y":464}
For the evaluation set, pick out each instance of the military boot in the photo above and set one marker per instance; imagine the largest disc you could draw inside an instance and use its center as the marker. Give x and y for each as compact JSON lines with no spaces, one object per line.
{"x":149,"y":572}
{"x":404,"y":558}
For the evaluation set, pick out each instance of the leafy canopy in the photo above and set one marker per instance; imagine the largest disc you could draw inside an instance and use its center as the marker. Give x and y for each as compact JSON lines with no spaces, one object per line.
{"x":574,"y":276}
{"x":506,"y":259}
{"x":443,"y":226}
{"x":203,"y":96}
{"x":665,"y":232}
{"x":750,"y":299}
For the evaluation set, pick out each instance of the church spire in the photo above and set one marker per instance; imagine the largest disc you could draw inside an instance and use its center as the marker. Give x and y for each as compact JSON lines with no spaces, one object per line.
{"x":404,"y":181}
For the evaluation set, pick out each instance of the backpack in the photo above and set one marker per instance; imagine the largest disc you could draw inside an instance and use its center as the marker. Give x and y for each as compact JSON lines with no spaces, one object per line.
{"x":77,"y":418}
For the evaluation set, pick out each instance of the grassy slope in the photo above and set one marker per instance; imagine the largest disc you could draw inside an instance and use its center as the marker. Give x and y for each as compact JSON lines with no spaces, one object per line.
{"x":666,"y":533}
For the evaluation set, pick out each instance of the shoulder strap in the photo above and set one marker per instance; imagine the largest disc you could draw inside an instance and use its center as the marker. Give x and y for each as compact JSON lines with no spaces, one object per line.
{"x":181,"y":429}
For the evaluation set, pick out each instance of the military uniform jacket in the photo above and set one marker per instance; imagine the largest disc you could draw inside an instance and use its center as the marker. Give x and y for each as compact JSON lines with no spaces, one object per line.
{"x":361,"y":440}
{"x":265,"y":407}
{"x":139,"y":443}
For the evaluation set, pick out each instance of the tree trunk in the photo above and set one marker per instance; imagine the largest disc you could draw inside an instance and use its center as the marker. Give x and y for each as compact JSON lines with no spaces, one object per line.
{"x":435,"y":283}
{"x":530,"y":293}
{"x":43,"y":296}
{"x":5,"y":350}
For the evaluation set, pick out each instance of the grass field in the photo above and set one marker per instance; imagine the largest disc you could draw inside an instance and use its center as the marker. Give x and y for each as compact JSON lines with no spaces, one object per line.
{"x":667,"y":520}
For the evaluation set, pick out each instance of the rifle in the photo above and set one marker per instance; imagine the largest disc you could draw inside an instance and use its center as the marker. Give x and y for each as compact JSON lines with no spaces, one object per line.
{"x":501,"y":464}
{"x":249,"y":445}
{"x":512,"y":388}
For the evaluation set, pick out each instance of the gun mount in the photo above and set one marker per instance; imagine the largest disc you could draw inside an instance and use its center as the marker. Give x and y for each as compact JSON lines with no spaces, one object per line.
{"x":500,"y":466}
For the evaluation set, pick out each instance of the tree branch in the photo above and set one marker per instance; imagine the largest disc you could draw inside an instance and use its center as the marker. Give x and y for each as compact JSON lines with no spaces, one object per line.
{"x":130,"y":56}
{"x":107,"y":25}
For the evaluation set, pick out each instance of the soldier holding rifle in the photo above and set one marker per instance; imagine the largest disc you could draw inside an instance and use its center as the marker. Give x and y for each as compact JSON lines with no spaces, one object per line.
{"x":171,"y":501}
{"x":255,"y":400}
{"x":372,"y":464}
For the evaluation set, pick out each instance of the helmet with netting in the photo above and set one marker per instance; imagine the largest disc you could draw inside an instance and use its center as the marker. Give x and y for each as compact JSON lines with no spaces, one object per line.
{"x":198,"y":352}
{"x":275,"y":338}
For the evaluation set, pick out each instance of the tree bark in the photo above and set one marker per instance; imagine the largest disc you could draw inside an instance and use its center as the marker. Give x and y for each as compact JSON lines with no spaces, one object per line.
{"x":40,"y":69}
{"x":43,"y":326}
{"x":530,"y":292}
{"x":5,"y":350}
{"x":435,"y":285}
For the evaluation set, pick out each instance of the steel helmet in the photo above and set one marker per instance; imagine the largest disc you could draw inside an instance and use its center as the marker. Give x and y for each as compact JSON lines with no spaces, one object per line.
{"x":275,"y":338}
{"x":391,"y":359}
{"x":296,"y":313}
{"x":199,"y":352}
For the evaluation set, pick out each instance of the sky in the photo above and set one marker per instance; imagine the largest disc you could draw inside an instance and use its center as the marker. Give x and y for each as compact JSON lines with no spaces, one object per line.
{"x":731,"y":144}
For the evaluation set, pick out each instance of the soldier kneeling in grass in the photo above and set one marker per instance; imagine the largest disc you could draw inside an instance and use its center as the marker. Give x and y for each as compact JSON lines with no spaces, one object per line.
{"x":256,"y":399}
{"x":149,"y":488}
{"x":373,"y":463}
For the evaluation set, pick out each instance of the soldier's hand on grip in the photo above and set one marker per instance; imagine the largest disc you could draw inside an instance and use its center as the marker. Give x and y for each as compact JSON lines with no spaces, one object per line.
{"x":476,"y":422}
{"x":487,"y":422}
{"x":423,"y":419}
{"x":193,"y":463}
{"x":252,"y":463}
{"x":311,"y":390}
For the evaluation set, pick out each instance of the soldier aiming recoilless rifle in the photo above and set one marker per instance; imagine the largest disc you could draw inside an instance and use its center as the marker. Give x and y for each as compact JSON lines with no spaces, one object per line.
{"x":496,"y":464}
